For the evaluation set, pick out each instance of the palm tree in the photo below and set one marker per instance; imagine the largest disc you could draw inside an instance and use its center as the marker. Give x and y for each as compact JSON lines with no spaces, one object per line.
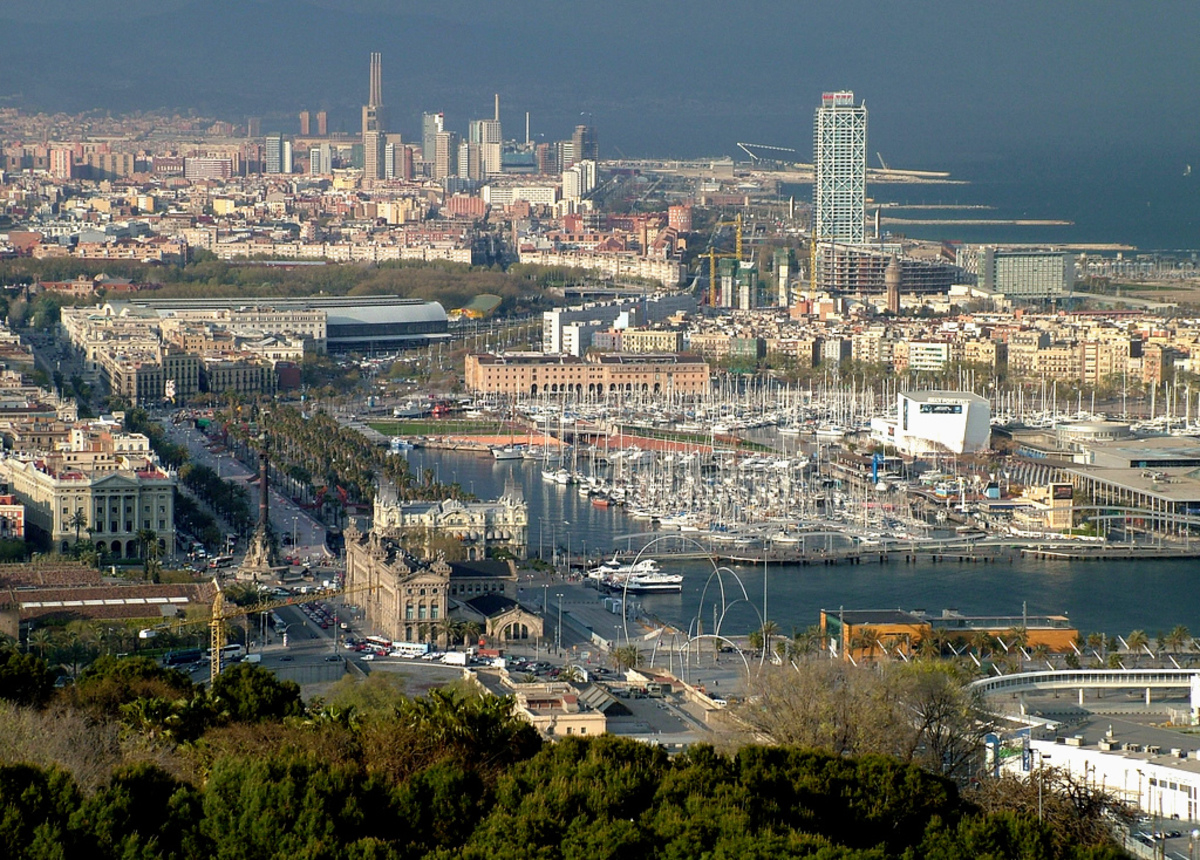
{"x":627,"y":657}
{"x":147,"y":538}
{"x":1138,"y":641}
{"x":41,"y":639}
{"x":769,"y":629}
{"x":571,"y":674}
{"x":77,"y":521}
{"x":472,"y":631}
{"x":865,"y":640}
{"x":1178,"y":638}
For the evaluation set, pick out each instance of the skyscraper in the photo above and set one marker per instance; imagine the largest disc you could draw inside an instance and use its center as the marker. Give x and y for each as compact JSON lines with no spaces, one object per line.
{"x":374,"y":124}
{"x":840,"y":169}
{"x":445,"y":155}
{"x":432,"y":124}
{"x":584,"y":140}
{"x":323,"y":123}
{"x":304,"y":123}
{"x":273,"y":154}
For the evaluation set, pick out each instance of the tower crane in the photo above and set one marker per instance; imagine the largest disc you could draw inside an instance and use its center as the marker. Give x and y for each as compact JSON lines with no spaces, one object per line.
{"x":223,"y":612}
{"x":713,"y":254}
{"x":745,"y":147}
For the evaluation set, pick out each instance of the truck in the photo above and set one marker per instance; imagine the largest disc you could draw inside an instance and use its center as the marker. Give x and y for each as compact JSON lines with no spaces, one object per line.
{"x":455,"y":658}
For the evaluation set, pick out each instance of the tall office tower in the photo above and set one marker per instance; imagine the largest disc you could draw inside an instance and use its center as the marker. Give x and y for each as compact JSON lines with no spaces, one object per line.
{"x":565,"y":154}
{"x":543,"y":155}
{"x":470,"y":160}
{"x":585,"y":146}
{"x":285,"y":165}
{"x":273,"y":154}
{"x":322,"y":123}
{"x":374,"y":124}
{"x":254,"y":126}
{"x":445,"y":155}
{"x":840,"y":169}
{"x":320,"y":159}
{"x":783,"y":268}
{"x":304,"y":126}
{"x":432,"y":124}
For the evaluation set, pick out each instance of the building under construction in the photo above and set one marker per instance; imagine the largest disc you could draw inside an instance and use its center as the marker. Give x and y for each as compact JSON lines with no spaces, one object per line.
{"x":861,"y":269}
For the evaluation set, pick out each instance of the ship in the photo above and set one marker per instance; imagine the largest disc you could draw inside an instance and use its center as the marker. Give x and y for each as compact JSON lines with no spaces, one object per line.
{"x":651,"y":583}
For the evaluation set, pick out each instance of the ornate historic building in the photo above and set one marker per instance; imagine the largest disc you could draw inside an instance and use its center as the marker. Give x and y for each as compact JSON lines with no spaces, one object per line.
{"x":479,"y":526}
{"x":408,"y":600}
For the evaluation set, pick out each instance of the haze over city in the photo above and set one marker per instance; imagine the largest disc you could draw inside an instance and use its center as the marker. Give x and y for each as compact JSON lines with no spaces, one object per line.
{"x":944,"y":80}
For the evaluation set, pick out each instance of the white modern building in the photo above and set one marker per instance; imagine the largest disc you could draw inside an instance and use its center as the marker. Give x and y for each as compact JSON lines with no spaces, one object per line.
{"x":936,"y":422}
{"x":839,"y":169}
{"x":1020,"y":273}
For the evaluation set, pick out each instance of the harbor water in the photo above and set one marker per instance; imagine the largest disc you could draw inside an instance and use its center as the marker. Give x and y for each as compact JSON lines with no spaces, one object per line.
{"x":1110,"y":596}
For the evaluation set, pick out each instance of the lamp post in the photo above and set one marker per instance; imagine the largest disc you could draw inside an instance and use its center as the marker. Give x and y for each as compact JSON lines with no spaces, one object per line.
{"x":567,"y":523}
{"x":294,"y":519}
{"x":558,"y":637}
{"x":1041,"y":778}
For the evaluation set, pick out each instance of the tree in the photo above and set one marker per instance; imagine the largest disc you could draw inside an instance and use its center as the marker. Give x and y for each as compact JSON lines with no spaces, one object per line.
{"x":112,"y":682}
{"x":142,"y":812}
{"x":24,"y":678}
{"x":1138,"y":641}
{"x":1179,"y":638}
{"x":78,"y":522}
{"x":378,"y":693}
{"x":248,"y":693}
{"x":627,"y":657}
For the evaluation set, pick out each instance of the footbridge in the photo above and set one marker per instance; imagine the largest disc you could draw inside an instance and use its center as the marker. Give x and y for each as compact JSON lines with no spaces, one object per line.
{"x":1094,"y":679}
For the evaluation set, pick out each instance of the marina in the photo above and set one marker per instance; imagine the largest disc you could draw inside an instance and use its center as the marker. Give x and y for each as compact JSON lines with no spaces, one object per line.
{"x":1114,"y":594}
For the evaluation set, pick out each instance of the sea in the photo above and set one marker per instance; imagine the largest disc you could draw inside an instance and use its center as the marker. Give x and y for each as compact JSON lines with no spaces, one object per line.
{"x":1150,"y":203}
{"x":1113,"y":597}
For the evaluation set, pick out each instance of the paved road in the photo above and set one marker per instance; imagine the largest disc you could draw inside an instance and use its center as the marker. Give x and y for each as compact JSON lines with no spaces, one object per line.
{"x":286,"y":517}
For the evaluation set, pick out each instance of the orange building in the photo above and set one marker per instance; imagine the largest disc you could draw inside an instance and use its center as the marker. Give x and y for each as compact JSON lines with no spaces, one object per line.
{"x":535,"y":373}
{"x":872,"y":634}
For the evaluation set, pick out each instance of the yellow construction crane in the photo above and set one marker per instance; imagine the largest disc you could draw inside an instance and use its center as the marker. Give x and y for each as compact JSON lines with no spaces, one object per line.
{"x":713,"y":255}
{"x":221,"y":613}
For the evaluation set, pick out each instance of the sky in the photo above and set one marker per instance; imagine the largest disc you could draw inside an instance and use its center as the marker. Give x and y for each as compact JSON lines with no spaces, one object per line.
{"x":941,"y":78}
{"x":1045,"y":100}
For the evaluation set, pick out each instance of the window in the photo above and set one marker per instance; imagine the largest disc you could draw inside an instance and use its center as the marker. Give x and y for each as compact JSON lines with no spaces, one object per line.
{"x":433,"y":612}
{"x":408,"y":612}
{"x":421,"y":612}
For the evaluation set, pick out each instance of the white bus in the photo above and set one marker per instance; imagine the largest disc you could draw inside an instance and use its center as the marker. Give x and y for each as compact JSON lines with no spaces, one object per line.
{"x":409,"y":649}
{"x":228,"y":653}
{"x":378,"y":642}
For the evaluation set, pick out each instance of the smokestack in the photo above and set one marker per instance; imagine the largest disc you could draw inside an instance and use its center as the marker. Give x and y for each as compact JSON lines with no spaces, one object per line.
{"x":497,"y":116}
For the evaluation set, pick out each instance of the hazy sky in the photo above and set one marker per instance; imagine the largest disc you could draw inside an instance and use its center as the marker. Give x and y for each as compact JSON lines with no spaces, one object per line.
{"x":946,"y":81}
